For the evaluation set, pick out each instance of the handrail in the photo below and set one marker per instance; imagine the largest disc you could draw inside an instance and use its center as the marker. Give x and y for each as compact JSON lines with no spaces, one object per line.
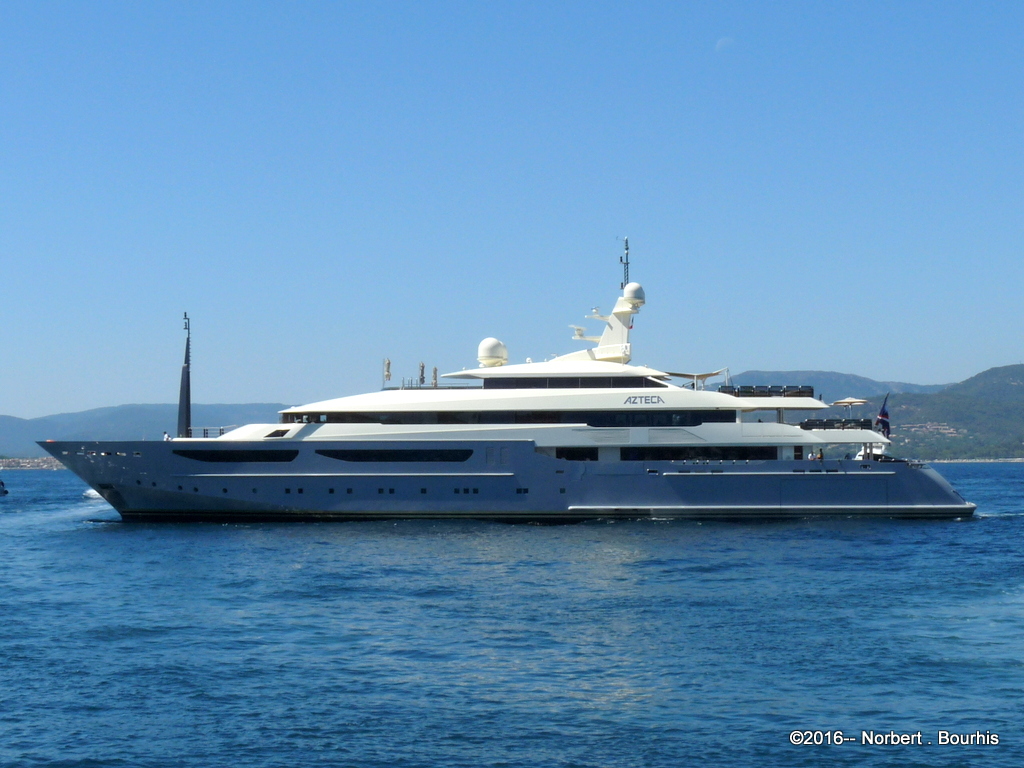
{"x":746,"y":390}
{"x":209,"y":431}
{"x":836,"y":424}
{"x":414,"y":384}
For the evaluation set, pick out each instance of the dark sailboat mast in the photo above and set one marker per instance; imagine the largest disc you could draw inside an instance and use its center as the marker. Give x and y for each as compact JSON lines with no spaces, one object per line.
{"x":185,"y":394}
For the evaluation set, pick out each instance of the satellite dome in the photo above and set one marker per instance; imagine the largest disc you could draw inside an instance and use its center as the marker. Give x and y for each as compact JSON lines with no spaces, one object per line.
{"x":491,"y":353}
{"x":634,"y":293}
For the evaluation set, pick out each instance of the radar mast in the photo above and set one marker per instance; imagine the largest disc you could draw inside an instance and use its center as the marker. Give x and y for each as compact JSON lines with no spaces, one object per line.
{"x":624,"y":261}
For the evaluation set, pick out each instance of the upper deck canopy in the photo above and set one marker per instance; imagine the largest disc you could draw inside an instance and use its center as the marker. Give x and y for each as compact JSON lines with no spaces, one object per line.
{"x":558,"y":367}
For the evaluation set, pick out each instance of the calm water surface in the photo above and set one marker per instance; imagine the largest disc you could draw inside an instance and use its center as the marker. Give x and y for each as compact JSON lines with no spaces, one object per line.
{"x":481,"y":644}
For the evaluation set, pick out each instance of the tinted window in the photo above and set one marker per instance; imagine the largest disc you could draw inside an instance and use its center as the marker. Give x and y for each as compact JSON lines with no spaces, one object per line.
{"x":702,"y":452}
{"x":237,"y":456}
{"x":573,"y":382}
{"x":576,"y":454}
{"x":630,"y":418}
{"x":398,"y":454}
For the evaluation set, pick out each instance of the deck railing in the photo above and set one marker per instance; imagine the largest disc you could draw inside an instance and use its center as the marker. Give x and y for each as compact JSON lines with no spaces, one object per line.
{"x":836,"y":424}
{"x":208,"y":431}
{"x":790,"y":390}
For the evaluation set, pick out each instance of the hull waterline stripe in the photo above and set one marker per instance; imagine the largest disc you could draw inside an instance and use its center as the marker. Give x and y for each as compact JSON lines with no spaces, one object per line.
{"x":573,"y":514}
{"x":888,"y":508}
{"x":343,"y":475}
{"x":791,"y":473}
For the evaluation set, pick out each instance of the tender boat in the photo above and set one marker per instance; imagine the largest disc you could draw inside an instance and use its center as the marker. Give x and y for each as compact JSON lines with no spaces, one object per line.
{"x":581,"y":436}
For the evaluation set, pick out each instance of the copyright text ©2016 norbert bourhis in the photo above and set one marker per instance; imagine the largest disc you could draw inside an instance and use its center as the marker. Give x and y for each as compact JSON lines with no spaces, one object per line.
{"x":893,"y":738}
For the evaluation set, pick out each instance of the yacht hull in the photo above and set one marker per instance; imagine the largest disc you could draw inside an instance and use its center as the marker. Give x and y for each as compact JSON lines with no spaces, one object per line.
{"x":506,"y":480}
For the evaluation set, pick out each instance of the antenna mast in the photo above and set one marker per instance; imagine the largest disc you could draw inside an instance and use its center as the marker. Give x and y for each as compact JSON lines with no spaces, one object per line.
{"x":624,"y":261}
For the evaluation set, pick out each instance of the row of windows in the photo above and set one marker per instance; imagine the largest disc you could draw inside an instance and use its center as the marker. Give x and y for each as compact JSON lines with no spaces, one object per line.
{"x":235,"y":456}
{"x":631,"y":418}
{"x":349,"y":491}
{"x":399,"y":454}
{"x":702,"y":452}
{"x":659,"y":418}
{"x":573,"y":382}
{"x":284,"y":455}
{"x":677,"y":453}
{"x":458,"y":455}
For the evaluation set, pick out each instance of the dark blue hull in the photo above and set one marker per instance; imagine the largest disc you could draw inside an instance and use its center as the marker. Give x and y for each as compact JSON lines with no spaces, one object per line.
{"x":497,"y":480}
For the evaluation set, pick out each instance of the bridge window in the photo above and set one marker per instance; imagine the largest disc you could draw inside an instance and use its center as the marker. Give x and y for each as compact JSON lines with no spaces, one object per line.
{"x":573,"y":382}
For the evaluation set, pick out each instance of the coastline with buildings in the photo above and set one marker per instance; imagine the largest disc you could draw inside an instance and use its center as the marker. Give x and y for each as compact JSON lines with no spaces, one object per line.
{"x":47,"y":462}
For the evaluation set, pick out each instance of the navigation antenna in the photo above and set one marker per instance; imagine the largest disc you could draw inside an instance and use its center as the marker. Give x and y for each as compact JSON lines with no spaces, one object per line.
{"x":624,"y":261}
{"x":185,"y":393}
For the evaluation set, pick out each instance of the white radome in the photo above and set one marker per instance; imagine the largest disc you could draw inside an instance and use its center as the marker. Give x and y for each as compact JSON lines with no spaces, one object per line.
{"x":491,"y":353}
{"x":634,"y":293}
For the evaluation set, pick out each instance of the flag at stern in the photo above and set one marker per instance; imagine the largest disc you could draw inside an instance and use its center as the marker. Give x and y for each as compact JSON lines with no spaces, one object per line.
{"x":882,"y":419}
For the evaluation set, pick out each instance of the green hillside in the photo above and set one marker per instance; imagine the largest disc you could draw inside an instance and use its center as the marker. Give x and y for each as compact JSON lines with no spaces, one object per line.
{"x":980,"y":418}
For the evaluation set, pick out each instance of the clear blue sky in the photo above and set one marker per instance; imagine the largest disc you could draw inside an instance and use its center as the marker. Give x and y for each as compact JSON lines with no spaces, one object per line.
{"x":833,"y":186}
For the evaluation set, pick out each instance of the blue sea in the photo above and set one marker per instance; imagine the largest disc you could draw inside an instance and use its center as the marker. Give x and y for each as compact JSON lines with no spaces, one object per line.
{"x":481,"y":644}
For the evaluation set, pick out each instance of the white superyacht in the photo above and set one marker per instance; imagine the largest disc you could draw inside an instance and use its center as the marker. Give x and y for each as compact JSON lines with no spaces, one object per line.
{"x":581,"y":436}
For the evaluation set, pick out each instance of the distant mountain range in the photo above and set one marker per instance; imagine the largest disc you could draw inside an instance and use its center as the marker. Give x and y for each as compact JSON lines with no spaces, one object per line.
{"x":831,"y":386}
{"x":980,"y":418}
{"x":122,"y":422}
